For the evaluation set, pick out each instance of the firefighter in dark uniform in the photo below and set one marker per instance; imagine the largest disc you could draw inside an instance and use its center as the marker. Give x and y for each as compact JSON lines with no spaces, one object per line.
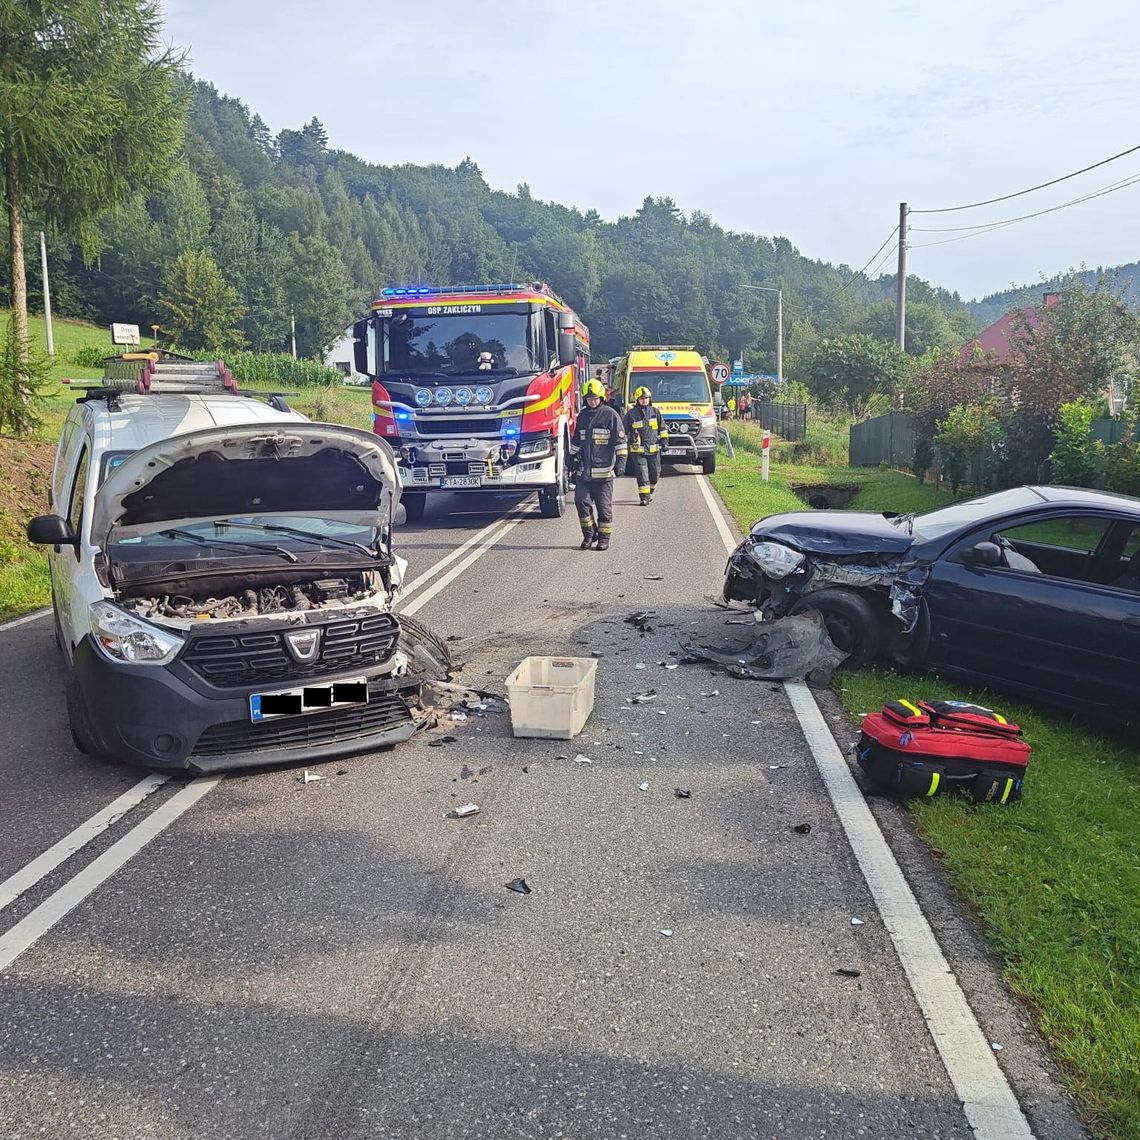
{"x":645,"y":428}
{"x":597,"y":448}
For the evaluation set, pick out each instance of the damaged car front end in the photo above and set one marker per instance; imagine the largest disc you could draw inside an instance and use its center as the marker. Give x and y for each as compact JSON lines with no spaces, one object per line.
{"x":852,"y":567}
{"x":248,"y":581}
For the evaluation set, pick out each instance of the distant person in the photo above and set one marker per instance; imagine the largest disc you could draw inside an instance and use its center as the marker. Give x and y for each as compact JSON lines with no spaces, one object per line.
{"x":744,"y":407}
{"x":645,"y":430}
{"x":598,"y":447}
{"x":732,"y":407}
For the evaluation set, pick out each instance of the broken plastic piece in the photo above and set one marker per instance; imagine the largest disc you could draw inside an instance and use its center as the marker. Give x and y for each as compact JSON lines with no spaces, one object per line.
{"x":996,"y":1047}
{"x":683,"y":793}
{"x":519,"y":886}
{"x":644,"y":785}
{"x":847,"y":973}
{"x":466,"y":773}
{"x":310,"y":777}
{"x":440,"y":741}
{"x":653,"y":578}
{"x":464,"y":810}
{"x":644,"y":698}
{"x":802,"y":828}
{"x":667,"y":933}
{"x":581,"y":758}
{"x":857,"y":922}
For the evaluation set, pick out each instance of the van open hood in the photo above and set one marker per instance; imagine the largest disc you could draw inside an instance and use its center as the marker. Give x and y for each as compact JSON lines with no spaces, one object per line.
{"x":263,"y":469}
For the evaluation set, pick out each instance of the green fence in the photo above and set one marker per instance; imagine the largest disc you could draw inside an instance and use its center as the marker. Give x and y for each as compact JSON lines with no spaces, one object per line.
{"x":885,"y":439}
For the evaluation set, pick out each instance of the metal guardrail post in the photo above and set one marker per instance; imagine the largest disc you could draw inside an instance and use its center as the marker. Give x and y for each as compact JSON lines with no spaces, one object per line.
{"x":723,"y":436}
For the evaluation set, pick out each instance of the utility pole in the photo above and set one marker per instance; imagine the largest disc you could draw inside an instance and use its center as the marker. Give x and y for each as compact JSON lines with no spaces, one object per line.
{"x":779,"y":336}
{"x":293,"y":330}
{"x":47,"y":296}
{"x":900,"y":296}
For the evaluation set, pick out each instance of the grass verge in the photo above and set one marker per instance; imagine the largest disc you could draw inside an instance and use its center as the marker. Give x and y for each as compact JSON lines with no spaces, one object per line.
{"x":1054,"y":880}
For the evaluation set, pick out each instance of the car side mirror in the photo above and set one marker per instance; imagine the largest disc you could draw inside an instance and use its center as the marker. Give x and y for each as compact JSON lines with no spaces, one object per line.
{"x":983,"y":554}
{"x":51,"y":530}
{"x":567,"y":351}
{"x":360,"y":347}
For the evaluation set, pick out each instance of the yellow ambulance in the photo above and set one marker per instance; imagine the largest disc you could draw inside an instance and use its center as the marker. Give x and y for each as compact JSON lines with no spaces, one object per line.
{"x":679,"y":380}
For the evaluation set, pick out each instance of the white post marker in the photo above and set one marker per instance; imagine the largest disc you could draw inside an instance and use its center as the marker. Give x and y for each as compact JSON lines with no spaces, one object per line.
{"x":765,"y":449}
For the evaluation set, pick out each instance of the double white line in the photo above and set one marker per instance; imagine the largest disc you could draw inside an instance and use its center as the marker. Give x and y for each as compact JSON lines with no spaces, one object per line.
{"x":57,"y":905}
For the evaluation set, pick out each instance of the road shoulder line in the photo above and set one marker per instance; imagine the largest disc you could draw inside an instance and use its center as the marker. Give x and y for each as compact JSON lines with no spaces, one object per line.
{"x":13,"y":623}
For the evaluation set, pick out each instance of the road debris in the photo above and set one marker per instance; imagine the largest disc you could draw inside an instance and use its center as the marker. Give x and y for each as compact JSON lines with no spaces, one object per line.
{"x":996,"y":1047}
{"x":796,"y":647}
{"x":308,"y":777}
{"x":683,"y":793}
{"x":802,"y":829}
{"x":440,"y":741}
{"x":857,"y":922}
{"x":466,"y":773}
{"x":463,"y":811}
{"x":644,"y":785}
{"x":653,"y":578}
{"x":641,"y":621}
{"x":581,"y":758}
{"x":845,"y":972}
{"x":519,"y":886}
{"x":644,"y":698}
{"x":458,"y":716}
{"x":666,"y":933}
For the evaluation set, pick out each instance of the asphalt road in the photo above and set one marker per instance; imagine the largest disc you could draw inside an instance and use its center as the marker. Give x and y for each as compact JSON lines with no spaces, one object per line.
{"x":340,"y":959}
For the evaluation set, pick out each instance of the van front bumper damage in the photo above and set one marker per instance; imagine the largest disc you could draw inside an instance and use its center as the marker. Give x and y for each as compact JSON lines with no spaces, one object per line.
{"x":171,"y":717}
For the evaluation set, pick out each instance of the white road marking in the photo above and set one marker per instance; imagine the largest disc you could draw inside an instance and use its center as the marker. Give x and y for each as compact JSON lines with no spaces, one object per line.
{"x":24,"y":620}
{"x":451,"y":575}
{"x":730,"y":543}
{"x":15,"y":885}
{"x":989,"y":1104}
{"x":448,"y":559}
{"x":58,"y":905}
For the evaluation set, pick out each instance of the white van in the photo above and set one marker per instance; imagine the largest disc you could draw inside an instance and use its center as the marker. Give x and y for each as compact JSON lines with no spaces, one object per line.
{"x":222,"y":582}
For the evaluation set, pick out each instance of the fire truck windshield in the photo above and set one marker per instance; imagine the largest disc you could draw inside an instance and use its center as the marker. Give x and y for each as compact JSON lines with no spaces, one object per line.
{"x":459,"y":343}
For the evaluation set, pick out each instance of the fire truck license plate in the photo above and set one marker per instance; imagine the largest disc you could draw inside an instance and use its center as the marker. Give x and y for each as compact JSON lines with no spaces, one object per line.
{"x":461,"y":481}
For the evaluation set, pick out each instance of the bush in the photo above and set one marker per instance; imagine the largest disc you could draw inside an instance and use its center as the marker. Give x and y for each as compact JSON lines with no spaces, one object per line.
{"x":1077,"y":459}
{"x":969,"y":432}
{"x":89,"y":356}
{"x":23,"y":377}
{"x":1122,"y":461}
{"x":277,"y":370}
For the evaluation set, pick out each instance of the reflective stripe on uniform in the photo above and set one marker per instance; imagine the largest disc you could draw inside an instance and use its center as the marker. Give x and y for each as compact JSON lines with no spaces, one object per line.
{"x":935,"y":779}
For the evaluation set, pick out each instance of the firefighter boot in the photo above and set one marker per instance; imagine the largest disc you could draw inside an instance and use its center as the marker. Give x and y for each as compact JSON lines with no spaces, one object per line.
{"x":589,"y":537}
{"x":644,"y":493}
{"x":604,"y":538}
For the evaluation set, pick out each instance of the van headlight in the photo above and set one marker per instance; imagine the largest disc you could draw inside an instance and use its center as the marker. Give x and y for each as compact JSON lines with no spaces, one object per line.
{"x":775,"y":560}
{"x":122,"y":637}
{"x":708,"y":419}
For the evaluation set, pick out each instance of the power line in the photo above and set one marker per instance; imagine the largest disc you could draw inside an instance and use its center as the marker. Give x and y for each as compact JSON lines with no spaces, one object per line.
{"x":1040,"y":186}
{"x":859,"y":272}
{"x":990,"y":227}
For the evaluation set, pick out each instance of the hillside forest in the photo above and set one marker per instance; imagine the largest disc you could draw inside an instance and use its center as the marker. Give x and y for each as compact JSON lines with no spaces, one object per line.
{"x":253,"y":228}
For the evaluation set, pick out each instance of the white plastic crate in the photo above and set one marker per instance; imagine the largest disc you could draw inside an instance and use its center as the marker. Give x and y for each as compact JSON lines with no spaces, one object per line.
{"x":551,"y":696}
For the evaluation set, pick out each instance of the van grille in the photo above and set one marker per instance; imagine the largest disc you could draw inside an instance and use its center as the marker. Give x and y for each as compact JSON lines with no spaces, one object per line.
{"x":256,"y":657}
{"x":383,"y":713}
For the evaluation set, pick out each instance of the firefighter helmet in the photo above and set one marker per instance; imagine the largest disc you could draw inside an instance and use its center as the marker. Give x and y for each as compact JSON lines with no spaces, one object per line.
{"x":594,"y":388}
{"x":642,"y":391}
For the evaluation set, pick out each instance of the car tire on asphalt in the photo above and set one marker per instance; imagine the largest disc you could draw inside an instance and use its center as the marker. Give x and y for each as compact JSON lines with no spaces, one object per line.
{"x":414,"y":506}
{"x":552,"y":500}
{"x":850,"y":621}
{"x":81,"y":735}
{"x":708,"y":463}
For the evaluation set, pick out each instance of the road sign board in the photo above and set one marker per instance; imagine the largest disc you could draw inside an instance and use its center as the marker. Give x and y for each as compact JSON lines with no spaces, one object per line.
{"x":124,"y":334}
{"x":720,"y":373}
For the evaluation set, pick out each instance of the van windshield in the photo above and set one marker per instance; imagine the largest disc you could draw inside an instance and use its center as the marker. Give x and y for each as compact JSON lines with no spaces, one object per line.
{"x":671,"y":385}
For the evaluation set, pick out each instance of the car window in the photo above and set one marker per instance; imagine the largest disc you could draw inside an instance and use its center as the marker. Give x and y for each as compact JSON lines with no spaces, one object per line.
{"x":78,"y":496}
{"x":1078,"y":534}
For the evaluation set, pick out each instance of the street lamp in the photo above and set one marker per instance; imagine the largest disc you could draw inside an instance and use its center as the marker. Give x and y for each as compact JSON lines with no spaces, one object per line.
{"x":779,"y":325}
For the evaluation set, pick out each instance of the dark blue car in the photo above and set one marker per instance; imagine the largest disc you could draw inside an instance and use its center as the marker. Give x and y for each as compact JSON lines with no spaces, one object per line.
{"x":1035,"y":589}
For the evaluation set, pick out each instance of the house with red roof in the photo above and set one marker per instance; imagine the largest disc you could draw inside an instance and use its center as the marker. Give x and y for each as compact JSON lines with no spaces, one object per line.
{"x":993,"y":346}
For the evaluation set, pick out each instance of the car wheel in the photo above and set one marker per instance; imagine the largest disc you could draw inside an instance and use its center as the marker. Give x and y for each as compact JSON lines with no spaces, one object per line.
{"x":81,"y":735}
{"x":850,"y":622}
{"x":414,"y":506}
{"x":708,"y":463}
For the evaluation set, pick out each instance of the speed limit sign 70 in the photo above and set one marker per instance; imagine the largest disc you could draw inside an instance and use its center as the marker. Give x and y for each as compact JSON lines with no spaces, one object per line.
{"x":720,"y":373}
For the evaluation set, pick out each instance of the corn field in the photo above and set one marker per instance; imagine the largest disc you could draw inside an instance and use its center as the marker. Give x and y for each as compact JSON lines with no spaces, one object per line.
{"x":276,"y":369}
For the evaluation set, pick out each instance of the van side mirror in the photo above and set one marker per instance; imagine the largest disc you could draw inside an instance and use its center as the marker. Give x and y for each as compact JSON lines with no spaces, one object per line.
{"x":360,"y":347}
{"x":983,"y":554}
{"x":51,"y":530}
{"x":567,"y":353}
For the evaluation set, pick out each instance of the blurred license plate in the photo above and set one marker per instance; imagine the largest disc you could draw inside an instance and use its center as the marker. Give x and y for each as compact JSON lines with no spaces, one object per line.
{"x":308,"y":699}
{"x":461,"y":481}
{"x":672,"y":452}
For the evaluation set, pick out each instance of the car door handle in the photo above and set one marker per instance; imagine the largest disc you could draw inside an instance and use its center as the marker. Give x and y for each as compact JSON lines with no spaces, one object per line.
{"x":1132,"y":622}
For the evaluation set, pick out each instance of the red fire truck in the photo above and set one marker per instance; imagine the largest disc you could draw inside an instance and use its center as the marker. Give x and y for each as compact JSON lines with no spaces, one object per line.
{"x":475,"y":387}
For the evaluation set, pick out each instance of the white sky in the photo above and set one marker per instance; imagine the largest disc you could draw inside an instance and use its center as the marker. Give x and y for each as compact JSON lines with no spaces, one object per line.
{"x":810,"y":119}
